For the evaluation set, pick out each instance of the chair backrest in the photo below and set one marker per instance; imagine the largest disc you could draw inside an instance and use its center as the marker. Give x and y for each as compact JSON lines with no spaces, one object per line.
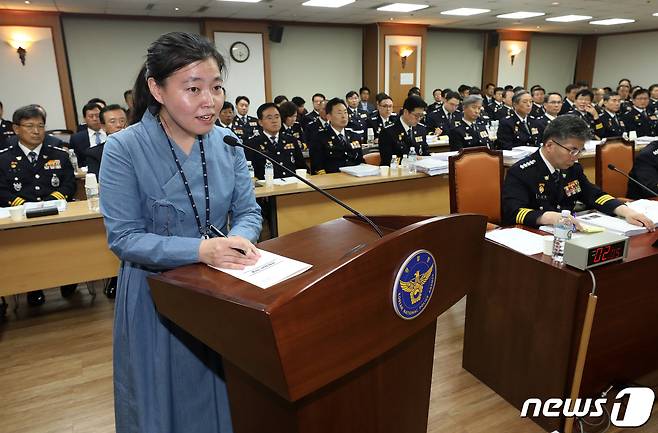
{"x":373,"y":158}
{"x":476,"y":182}
{"x":621,"y":153}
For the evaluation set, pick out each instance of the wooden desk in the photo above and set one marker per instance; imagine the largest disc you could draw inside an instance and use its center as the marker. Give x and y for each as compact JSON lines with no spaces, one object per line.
{"x":54,"y":250}
{"x":524,"y":320}
{"x":297,"y":206}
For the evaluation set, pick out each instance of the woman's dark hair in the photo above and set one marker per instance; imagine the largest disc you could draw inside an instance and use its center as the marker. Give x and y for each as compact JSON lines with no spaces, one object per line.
{"x":287,"y":109}
{"x":169,"y":53}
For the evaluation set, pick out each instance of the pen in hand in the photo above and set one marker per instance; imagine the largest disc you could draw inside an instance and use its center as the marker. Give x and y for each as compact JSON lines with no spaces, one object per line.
{"x":218,"y":232}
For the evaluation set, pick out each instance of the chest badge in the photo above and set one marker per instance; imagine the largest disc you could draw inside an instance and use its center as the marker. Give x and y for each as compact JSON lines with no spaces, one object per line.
{"x":54,"y":181}
{"x":18,"y":186}
{"x":541,"y":188}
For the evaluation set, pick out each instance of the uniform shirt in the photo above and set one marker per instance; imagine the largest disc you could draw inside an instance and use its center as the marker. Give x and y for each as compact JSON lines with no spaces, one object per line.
{"x":645,"y":170}
{"x":296,"y":131}
{"x":310,"y":118}
{"x":358,"y":122}
{"x":537,"y":110}
{"x":398,"y":138}
{"x":532,"y":186}
{"x":6,"y":130}
{"x":377,"y":123}
{"x":595,"y":125}
{"x":329,"y":152}
{"x":626,"y":106}
{"x":248,"y":123}
{"x":513,"y":132}
{"x":653,"y":106}
{"x":51,"y":177}
{"x":639,"y":121}
{"x":464,"y":134}
{"x":102,"y":137}
{"x":285,"y":149}
{"x":540,"y":123}
{"x":613,"y":126}
{"x":440,"y":119}
{"x":434,"y":106}
{"x":492,"y":108}
{"x":503,"y":111}
{"x":236,"y":127}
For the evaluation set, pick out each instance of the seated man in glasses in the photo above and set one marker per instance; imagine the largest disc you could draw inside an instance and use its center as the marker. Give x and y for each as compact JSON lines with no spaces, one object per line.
{"x":33,"y":171}
{"x":540,"y":186}
{"x":405,"y":133}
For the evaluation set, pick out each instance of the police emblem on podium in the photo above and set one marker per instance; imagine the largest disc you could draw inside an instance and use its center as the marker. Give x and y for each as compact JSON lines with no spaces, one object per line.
{"x":414,"y":284}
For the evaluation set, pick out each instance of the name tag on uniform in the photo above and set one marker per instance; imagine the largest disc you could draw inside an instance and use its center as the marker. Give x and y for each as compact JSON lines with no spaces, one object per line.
{"x":364,"y":116}
{"x":534,"y":131}
{"x":52,"y":164}
{"x":484,"y":134}
{"x":253,"y":123}
{"x":419,"y":139}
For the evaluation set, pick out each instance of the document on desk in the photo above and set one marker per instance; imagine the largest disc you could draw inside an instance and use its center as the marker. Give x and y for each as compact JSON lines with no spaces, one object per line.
{"x":647,"y":207}
{"x":610,"y":223}
{"x":519,"y":240}
{"x":270,"y":269}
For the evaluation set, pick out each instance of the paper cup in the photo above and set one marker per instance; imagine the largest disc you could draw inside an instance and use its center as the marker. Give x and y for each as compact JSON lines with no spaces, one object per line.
{"x":383,"y":170}
{"x":632,"y":136}
{"x":548,"y":245}
{"x":301,"y":172}
{"x":17,"y":213}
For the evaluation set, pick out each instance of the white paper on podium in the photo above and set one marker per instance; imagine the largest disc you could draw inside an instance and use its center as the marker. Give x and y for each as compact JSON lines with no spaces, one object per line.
{"x":270,"y":269}
{"x":519,"y":240}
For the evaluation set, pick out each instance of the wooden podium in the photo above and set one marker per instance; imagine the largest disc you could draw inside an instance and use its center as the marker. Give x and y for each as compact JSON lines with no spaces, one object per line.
{"x":325,"y":351}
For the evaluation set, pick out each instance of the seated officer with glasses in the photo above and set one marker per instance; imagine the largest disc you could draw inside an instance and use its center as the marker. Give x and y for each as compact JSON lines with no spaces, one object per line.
{"x":406,"y":132}
{"x":34,"y":171}
{"x":540,"y":186}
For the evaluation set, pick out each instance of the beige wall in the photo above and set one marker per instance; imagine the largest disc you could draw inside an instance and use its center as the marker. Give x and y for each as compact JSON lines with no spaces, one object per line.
{"x":552,"y":61}
{"x":633,"y":56}
{"x":105,"y":54}
{"x":453,"y":58}
{"x":316,"y":59}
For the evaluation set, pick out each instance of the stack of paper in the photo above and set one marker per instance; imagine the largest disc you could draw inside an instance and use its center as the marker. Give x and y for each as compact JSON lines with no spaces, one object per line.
{"x":361,"y":170}
{"x":519,"y":240}
{"x":59,"y":204}
{"x":647,"y":207}
{"x":515,"y":153}
{"x":529,"y":149}
{"x":444,"y":155}
{"x":432,"y":166}
{"x":270,"y":269}
{"x":645,"y":140}
{"x":613,"y":224}
{"x":591,"y":144}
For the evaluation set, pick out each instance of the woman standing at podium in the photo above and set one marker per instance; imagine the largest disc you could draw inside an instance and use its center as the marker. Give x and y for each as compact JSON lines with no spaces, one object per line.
{"x":164,"y":181}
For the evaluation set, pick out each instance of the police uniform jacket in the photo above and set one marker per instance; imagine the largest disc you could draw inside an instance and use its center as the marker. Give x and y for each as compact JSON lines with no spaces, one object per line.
{"x":626,"y":106}
{"x":653,"y":106}
{"x":358,"y":122}
{"x":94,"y":156}
{"x":237,"y":129}
{"x":296,"y":131}
{"x":537,"y":110}
{"x":329,"y":152}
{"x":434,"y":106}
{"x":287,"y":151}
{"x":530,"y":190}
{"x":613,"y":126}
{"x":6,"y":130}
{"x":394,"y":140}
{"x":441,"y":119}
{"x":492,"y":108}
{"x":566,"y":106}
{"x":248,"y":123}
{"x":376,"y":122}
{"x":464,"y":135}
{"x":539,"y":123}
{"x":595,"y":125}
{"x":640,"y":122}
{"x":310,"y":118}
{"x":645,"y":170}
{"x":503,"y":111}
{"x":513,"y":132}
{"x":50,"y":178}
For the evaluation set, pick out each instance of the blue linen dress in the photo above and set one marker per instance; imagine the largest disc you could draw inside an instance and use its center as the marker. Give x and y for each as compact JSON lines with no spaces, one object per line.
{"x":165,"y":381}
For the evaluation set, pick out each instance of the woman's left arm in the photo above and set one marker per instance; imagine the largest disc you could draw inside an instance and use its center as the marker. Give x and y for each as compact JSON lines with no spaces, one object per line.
{"x":246,"y":220}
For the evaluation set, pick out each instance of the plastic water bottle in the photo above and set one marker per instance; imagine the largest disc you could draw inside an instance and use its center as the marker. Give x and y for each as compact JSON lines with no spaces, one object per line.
{"x":404,"y":164}
{"x":269,"y":173}
{"x":393,"y":167}
{"x":91,"y":189}
{"x":563,"y":231}
{"x":412,"y":161}
{"x":250,"y":167}
{"x":74,"y":160}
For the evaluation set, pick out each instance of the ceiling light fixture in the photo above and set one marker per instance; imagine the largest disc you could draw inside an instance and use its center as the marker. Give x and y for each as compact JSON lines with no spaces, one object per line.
{"x":402,"y":7}
{"x":328,"y":3}
{"x":240,"y":1}
{"x":520,"y":15}
{"x":612,"y":22}
{"x":465,"y":12}
{"x":569,"y":18}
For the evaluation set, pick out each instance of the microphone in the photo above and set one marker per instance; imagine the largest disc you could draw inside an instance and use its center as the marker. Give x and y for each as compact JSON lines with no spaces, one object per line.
{"x":234,"y":142}
{"x":613,"y":168}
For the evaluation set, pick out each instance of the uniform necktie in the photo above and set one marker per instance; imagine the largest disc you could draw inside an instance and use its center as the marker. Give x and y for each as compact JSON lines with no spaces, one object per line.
{"x":273,"y":141}
{"x":410,"y":134}
{"x":32,"y":157}
{"x":98,"y":138}
{"x":525,"y":126}
{"x":341,"y":137}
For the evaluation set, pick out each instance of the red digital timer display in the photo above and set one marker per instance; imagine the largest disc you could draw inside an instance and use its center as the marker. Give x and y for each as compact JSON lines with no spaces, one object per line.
{"x":605,"y":253}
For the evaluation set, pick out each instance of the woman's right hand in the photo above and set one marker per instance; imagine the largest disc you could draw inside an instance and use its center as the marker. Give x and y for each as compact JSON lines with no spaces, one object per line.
{"x":222,"y":252}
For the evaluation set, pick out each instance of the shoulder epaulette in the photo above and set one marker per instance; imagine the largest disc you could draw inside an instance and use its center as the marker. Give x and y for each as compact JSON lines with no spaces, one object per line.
{"x":527,"y":164}
{"x":422,"y":124}
{"x":389,"y":125}
{"x":655,"y":152}
{"x":5,"y":149}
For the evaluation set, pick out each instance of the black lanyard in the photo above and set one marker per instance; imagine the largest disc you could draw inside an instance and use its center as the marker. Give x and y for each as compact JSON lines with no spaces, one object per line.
{"x":203,"y":232}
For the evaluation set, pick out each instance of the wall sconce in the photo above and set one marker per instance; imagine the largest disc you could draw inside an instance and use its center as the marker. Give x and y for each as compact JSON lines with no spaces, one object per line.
{"x":514,"y":51}
{"x":21,"y":43}
{"x":404,"y":53}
